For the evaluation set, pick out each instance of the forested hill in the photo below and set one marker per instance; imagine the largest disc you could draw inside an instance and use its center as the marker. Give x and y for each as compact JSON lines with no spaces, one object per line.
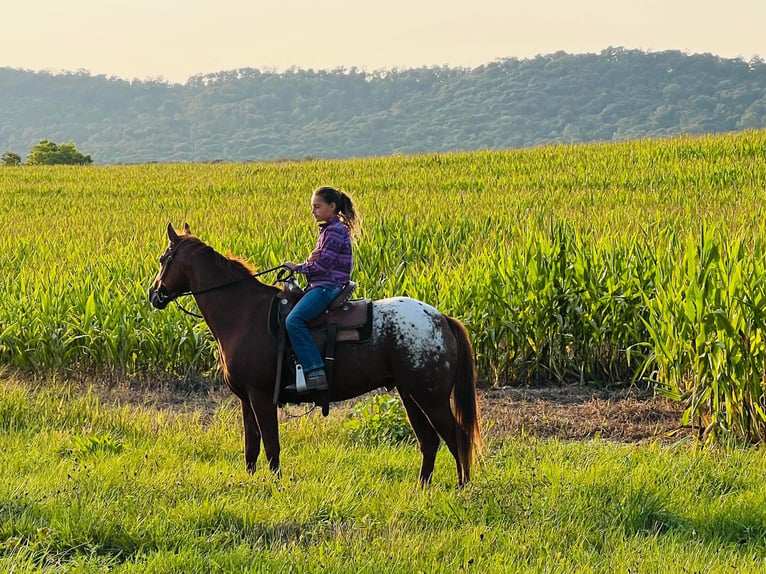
{"x":249,"y":114}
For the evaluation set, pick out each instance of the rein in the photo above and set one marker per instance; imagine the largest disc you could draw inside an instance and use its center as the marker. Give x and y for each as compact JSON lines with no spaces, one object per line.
{"x":281,"y":276}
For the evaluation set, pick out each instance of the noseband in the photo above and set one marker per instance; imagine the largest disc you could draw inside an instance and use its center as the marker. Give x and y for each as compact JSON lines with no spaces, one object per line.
{"x":160,"y":295}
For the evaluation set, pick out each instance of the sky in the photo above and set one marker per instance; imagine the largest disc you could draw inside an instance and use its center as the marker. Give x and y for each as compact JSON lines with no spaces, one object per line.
{"x":176,"y":39}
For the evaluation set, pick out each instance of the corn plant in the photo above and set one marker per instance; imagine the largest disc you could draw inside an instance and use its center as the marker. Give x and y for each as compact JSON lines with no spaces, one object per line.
{"x":707,"y":331}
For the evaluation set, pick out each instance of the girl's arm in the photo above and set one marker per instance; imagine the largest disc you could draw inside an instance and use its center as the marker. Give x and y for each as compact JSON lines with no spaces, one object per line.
{"x":323,"y":258}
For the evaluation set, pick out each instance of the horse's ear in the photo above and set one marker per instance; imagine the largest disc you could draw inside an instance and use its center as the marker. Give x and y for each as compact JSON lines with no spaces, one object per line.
{"x":187,"y":229}
{"x":172,"y":235}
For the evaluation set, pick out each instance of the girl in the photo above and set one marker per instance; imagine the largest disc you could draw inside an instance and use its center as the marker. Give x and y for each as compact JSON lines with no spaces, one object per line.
{"x":327,"y":270}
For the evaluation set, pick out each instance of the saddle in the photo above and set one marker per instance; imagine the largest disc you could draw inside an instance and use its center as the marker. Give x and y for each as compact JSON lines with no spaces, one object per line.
{"x":344,"y":320}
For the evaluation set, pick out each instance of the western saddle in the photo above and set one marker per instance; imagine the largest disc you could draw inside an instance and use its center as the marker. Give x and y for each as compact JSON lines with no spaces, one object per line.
{"x":345,"y":319}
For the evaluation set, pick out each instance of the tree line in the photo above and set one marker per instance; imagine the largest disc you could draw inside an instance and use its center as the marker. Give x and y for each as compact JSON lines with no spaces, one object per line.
{"x":249,"y":114}
{"x":49,"y":153}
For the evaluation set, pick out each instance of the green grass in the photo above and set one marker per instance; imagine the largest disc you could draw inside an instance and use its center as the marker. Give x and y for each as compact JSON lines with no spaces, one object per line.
{"x":90,"y":487}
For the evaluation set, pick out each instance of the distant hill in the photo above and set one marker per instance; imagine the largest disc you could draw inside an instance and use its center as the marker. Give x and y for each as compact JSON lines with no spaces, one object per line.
{"x":248,"y":114}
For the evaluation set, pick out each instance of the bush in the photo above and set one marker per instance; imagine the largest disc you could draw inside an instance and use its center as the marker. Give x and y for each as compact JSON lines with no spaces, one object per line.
{"x":10,"y":158}
{"x":378,"y":420}
{"x":49,"y":153}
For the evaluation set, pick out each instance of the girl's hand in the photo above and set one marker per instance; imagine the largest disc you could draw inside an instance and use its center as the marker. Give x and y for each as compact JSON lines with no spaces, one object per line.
{"x":290,"y":265}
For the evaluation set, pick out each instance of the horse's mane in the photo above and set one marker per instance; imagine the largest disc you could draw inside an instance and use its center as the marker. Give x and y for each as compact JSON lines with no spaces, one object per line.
{"x":236,"y":261}
{"x":229,"y":266}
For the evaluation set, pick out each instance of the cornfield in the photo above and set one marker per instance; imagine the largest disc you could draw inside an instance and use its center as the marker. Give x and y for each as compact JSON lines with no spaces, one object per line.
{"x":596,"y":264}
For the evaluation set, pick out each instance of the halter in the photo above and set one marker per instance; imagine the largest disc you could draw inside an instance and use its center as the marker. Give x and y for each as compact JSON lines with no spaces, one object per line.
{"x":167,"y":258}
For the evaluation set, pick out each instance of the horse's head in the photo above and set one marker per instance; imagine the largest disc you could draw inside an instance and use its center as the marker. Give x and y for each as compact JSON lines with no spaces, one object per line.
{"x":172,"y":278}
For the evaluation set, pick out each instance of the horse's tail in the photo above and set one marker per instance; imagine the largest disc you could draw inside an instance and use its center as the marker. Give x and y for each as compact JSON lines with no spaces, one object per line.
{"x":464,"y":405}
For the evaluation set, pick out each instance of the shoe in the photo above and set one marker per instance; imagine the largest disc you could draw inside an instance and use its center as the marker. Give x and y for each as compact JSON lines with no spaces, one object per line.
{"x":315,"y":381}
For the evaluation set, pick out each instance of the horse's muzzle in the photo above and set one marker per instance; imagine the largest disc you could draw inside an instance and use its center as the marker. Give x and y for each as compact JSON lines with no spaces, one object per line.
{"x":158,"y":298}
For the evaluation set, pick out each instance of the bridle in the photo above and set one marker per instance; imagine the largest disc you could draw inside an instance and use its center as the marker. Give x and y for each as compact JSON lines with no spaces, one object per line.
{"x":164,"y":298}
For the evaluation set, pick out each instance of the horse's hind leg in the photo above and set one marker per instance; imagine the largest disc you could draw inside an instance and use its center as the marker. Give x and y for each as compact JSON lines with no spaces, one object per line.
{"x":441,"y":417}
{"x":428,"y":438}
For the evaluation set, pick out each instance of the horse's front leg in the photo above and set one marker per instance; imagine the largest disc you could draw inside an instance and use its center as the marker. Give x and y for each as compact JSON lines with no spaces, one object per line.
{"x":266,"y":415}
{"x":252,"y":436}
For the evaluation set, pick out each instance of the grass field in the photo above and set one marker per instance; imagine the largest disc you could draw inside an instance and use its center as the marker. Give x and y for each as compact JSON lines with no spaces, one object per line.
{"x":94,"y":487}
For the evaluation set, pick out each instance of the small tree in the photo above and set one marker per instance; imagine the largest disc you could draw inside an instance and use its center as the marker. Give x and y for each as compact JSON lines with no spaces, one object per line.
{"x":49,"y":153}
{"x":10,"y":158}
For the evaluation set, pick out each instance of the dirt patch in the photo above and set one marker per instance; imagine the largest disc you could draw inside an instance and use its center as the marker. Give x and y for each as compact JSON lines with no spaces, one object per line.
{"x":575,"y":413}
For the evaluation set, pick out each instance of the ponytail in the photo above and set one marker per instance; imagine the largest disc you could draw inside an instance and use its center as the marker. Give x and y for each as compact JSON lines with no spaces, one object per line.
{"x":344,"y":207}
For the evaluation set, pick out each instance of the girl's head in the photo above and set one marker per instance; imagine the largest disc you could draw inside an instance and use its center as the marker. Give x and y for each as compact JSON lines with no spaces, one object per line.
{"x":328,"y":202}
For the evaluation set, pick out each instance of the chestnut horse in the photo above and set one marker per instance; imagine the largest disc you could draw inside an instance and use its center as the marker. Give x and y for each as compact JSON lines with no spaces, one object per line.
{"x":424,"y":354}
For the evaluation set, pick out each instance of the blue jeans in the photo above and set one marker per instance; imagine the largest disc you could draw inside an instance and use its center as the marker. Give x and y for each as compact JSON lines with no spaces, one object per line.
{"x":311,"y":305}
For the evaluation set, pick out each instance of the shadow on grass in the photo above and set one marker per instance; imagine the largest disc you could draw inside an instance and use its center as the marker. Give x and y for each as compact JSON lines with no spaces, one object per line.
{"x":739,"y":526}
{"x":51,"y":541}
{"x":645,"y":512}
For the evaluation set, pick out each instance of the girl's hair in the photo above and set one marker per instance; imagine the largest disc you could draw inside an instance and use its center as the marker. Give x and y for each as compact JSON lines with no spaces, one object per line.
{"x":344,"y":207}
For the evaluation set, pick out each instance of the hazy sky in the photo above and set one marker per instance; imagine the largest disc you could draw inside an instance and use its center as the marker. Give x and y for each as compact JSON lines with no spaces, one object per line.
{"x":175,"y":39}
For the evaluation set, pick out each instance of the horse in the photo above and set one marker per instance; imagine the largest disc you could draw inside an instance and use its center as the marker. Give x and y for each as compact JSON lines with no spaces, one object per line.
{"x":424,"y":354}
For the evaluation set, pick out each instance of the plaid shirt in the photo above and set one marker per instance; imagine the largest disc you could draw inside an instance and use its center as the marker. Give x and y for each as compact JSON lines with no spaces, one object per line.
{"x":329,"y":265}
